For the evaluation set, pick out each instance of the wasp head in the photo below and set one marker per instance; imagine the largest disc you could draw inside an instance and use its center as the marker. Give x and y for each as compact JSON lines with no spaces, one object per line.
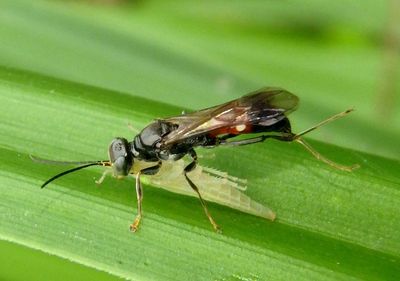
{"x":121,"y":157}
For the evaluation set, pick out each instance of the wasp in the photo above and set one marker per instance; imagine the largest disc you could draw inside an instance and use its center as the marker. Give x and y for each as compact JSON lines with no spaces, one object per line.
{"x":262,"y":113}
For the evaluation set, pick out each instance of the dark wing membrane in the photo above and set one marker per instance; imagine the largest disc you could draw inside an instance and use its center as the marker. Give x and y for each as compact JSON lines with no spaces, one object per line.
{"x":263,"y":107}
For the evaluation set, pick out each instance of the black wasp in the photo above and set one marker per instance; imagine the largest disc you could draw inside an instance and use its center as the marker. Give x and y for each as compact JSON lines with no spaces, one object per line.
{"x":263,"y":112}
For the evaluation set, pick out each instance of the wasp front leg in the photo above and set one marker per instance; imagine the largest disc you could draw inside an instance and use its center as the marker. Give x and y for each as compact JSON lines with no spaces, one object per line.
{"x":139,"y":194}
{"x":103,"y":176}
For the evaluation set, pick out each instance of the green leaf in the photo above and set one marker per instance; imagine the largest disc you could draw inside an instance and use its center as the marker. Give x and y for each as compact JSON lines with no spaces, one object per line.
{"x":331,"y":225}
{"x":41,"y":266}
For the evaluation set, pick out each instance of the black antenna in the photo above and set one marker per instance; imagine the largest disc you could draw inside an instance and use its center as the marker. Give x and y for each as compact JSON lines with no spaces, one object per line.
{"x":69,"y":171}
{"x":54,"y":162}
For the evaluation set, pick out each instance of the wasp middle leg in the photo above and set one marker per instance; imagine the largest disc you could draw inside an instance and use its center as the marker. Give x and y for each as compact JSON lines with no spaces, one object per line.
{"x":189,"y":168}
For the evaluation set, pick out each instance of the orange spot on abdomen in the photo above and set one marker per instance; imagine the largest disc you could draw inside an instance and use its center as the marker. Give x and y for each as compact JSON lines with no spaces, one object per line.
{"x":234,"y":130}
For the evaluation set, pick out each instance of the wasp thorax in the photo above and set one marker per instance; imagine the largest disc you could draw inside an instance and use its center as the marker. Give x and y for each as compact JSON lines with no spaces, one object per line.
{"x":120,"y":156}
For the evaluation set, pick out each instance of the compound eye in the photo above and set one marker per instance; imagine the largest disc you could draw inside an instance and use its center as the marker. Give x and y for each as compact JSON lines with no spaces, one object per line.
{"x":120,"y":156}
{"x":118,"y":148}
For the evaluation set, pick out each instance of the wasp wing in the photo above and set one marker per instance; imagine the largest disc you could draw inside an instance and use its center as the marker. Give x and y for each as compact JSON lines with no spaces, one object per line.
{"x":266,"y":106}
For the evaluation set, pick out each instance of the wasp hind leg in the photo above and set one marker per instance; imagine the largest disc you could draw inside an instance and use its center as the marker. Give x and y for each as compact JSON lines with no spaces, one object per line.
{"x":285,"y":134}
{"x":139,"y":194}
{"x":297,"y":138}
{"x":189,"y":168}
{"x":319,"y":157}
{"x":293,"y":137}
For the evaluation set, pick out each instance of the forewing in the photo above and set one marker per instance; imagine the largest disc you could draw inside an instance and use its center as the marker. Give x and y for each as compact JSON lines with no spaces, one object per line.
{"x":265,"y":106}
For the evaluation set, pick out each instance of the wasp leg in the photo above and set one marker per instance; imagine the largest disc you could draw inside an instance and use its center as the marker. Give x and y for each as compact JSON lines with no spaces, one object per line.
{"x":139,"y":194}
{"x":189,"y":168}
{"x":252,"y":140}
{"x":317,"y":155}
{"x":297,"y":138}
{"x":103,"y":176}
{"x":288,"y":136}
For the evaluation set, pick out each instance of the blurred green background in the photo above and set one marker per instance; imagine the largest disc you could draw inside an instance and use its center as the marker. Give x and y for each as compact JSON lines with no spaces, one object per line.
{"x":332,"y":55}
{"x":131,"y":61}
